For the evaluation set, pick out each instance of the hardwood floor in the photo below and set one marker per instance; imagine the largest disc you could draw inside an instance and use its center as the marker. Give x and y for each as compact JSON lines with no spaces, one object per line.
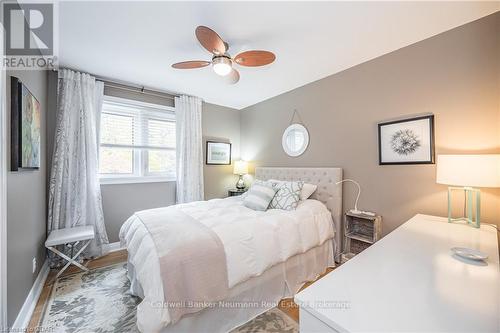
{"x":107,"y":260}
{"x":286,"y":305}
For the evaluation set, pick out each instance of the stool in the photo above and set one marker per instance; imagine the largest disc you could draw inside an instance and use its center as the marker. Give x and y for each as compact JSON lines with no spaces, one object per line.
{"x":70,"y":235}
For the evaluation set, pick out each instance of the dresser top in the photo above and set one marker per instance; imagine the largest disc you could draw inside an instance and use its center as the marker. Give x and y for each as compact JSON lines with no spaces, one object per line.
{"x":410,"y":281}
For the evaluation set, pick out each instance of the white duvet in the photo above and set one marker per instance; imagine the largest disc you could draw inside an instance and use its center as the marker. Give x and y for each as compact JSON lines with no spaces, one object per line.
{"x":253,"y":242}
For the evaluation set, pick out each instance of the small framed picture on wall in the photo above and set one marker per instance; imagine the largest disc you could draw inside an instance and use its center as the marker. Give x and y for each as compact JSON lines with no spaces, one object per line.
{"x":218,"y":153}
{"x":407,"y":141}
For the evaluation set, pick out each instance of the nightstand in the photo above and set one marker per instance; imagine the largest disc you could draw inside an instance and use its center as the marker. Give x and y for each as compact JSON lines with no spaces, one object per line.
{"x":234,"y":192}
{"x":360,"y":231}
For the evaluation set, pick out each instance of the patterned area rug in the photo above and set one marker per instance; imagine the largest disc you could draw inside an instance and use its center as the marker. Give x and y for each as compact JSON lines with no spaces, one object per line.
{"x":98,"y":301}
{"x":274,"y":321}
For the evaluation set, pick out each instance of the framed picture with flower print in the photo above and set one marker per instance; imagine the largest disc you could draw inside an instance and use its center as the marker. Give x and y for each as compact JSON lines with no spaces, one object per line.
{"x":407,"y":141}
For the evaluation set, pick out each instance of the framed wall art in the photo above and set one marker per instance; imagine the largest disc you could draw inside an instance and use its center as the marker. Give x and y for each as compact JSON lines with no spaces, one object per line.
{"x":407,"y":141}
{"x":25,"y":128}
{"x":218,"y":153}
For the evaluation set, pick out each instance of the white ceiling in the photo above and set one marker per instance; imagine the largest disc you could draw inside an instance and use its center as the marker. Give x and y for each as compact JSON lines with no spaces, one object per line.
{"x":137,"y":42}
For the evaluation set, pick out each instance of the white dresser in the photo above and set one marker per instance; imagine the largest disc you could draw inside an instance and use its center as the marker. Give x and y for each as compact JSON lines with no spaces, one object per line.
{"x":409,"y":281}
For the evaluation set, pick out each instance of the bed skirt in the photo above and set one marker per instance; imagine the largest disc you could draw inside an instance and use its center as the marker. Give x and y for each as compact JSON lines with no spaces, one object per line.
{"x":254,"y":296}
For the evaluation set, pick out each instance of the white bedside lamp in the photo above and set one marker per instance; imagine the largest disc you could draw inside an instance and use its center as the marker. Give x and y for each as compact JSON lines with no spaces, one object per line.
{"x":465,"y":173}
{"x":355,"y":210}
{"x":240,"y":168}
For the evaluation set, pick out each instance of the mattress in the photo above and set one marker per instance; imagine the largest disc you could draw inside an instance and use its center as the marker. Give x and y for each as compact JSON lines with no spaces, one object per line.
{"x":253,"y":243}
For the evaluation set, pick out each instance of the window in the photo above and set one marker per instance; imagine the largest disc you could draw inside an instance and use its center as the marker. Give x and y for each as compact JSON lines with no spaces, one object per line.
{"x":137,"y":142}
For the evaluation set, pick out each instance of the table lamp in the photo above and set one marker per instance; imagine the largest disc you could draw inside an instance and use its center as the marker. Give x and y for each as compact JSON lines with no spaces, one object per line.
{"x":240,"y":168}
{"x":355,"y":210}
{"x":466,"y":173}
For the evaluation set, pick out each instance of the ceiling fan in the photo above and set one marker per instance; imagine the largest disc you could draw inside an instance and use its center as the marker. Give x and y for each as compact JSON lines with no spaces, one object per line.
{"x":222,"y":62}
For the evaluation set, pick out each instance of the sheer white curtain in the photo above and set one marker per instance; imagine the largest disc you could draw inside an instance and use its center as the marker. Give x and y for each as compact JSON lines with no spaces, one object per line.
{"x":74,"y":190}
{"x":189,"y":149}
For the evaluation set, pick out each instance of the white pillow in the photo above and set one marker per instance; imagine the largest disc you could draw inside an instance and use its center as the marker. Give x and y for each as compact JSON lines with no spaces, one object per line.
{"x":305,"y":193}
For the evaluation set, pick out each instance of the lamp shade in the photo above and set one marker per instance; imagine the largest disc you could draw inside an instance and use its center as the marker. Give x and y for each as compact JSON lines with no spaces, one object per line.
{"x":469,"y":170}
{"x":240,"y":168}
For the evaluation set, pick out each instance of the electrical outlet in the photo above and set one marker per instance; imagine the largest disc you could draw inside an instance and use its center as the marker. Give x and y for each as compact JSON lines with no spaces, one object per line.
{"x":34,"y":265}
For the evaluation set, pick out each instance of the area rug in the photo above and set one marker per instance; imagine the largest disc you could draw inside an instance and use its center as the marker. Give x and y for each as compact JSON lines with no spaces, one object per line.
{"x":274,"y":321}
{"x":98,"y":301}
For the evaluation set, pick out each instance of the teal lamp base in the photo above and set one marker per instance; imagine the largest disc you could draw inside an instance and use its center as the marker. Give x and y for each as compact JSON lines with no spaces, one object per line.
{"x":472,"y":206}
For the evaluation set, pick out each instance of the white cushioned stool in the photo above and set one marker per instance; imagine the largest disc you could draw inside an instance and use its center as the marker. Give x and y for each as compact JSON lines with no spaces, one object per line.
{"x":70,"y":235}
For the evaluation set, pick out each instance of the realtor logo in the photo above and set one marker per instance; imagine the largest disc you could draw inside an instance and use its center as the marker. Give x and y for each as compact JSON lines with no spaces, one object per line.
{"x":29,"y":28}
{"x":29,"y":35}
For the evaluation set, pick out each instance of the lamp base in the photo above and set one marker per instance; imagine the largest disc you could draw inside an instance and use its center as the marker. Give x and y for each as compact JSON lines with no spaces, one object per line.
{"x":240,"y":184}
{"x":472,"y":206}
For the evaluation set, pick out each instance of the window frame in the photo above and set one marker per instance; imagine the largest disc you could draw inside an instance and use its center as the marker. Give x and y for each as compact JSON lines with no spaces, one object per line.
{"x":140,"y":173}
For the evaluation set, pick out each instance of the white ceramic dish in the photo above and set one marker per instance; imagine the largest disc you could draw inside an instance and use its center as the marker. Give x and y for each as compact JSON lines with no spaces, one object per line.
{"x":469,"y":253}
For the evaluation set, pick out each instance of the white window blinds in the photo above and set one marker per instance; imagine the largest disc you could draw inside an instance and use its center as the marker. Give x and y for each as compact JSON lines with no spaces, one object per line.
{"x":137,"y":127}
{"x":136,"y":140}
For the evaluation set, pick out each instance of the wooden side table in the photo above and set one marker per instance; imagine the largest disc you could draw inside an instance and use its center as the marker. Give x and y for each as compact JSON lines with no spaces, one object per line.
{"x":235,"y":192}
{"x":360,"y":231}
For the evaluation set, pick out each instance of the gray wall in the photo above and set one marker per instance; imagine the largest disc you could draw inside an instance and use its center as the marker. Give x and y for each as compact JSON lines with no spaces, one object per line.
{"x":454,"y":75}
{"x":220,"y":124}
{"x":120,"y":201}
{"x":26,"y":207}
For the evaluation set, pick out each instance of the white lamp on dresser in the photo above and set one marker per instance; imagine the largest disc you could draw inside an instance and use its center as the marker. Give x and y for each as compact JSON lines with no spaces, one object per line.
{"x":465,"y":173}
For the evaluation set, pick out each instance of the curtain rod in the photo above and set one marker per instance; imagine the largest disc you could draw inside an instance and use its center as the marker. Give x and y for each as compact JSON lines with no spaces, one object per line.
{"x":127,"y":86}
{"x":137,"y":89}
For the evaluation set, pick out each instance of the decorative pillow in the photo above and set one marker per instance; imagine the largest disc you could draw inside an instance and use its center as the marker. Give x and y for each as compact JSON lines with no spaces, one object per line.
{"x":305,"y":193}
{"x":288,"y":195}
{"x":259,"y":195}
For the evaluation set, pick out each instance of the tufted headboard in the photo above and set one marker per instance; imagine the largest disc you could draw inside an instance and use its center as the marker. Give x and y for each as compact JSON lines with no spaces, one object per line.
{"x":327,"y":192}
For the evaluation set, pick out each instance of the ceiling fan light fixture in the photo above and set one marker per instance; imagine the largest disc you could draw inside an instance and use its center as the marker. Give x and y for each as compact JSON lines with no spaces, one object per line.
{"x":233,"y":77}
{"x":222,"y":62}
{"x":222,"y":65}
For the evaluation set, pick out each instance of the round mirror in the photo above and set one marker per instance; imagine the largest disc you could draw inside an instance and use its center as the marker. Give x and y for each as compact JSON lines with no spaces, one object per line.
{"x":295,"y":140}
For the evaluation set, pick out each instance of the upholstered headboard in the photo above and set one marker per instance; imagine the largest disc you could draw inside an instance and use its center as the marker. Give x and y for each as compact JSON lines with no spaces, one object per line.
{"x":327,"y":192}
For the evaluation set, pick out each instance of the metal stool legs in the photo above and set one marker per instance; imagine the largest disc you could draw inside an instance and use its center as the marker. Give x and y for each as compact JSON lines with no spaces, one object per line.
{"x":70,"y":260}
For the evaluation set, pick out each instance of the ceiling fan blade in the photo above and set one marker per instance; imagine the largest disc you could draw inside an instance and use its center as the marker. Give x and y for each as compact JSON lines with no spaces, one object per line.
{"x":233,"y":77}
{"x":191,"y":64}
{"x":254,"y":58}
{"x":210,"y":40}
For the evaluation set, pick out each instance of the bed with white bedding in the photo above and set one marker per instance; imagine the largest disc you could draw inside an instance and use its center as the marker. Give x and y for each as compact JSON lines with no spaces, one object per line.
{"x":269,"y":255}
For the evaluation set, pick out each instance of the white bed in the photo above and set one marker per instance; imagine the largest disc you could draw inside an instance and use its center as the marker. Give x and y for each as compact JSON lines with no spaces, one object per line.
{"x":269,"y":254}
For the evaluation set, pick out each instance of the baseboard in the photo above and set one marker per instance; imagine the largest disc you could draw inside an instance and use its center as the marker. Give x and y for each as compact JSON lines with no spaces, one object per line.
{"x":24,"y":316}
{"x":112,"y":247}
